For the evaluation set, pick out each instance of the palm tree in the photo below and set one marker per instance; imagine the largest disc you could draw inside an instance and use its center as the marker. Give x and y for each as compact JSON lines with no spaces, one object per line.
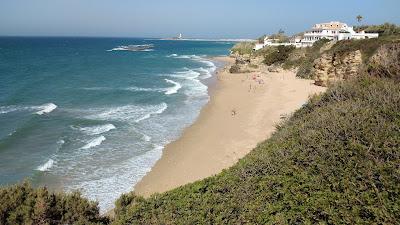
{"x":359,"y":19}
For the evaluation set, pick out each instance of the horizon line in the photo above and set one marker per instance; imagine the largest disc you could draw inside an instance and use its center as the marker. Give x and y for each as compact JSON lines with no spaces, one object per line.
{"x":100,"y":36}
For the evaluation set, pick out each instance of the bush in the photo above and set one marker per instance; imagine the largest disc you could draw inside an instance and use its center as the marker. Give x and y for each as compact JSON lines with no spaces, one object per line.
{"x":386,"y":62}
{"x":243,"y":48}
{"x":305,"y":69}
{"x":235,"y":69}
{"x":21,"y":204}
{"x":253,"y":66}
{"x":305,"y":61}
{"x":264,"y":51}
{"x":367,"y":47}
{"x":335,"y":161}
{"x":383,"y":29}
{"x":279,"y":56}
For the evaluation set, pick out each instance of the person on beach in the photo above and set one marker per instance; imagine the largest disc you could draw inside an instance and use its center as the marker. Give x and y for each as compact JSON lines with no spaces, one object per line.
{"x":233,"y":112}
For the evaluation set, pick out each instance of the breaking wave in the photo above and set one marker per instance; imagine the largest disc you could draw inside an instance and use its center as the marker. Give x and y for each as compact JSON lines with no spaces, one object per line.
{"x":210,"y":66}
{"x":95,"y":130}
{"x":46,"y":166}
{"x":126,"y":113}
{"x":94,"y":142}
{"x":174,"y":89}
{"x":46,"y":108}
{"x":159,"y":111}
{"x":43,"y":109}
{"x":8,"y":109}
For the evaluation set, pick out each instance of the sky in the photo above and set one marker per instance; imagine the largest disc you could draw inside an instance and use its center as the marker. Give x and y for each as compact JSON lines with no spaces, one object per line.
{"x":195,"y":19}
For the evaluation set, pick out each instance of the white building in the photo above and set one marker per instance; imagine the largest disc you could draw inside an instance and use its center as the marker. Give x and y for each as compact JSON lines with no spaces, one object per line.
{"x":271,"y":42}
{"x":334,"y":31}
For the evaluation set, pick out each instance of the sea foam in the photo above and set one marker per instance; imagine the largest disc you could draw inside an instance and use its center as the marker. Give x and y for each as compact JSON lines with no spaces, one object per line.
{"x":94,"y":142}
{"x":127,"y":113}
{"x":46,"y":166}
{"x":174,"y":89}
{"x":148,"y":115}
{"x":8,"y":109}
{"x":172,"y":55}
{"x":95,"y":130}
{"x":46,"y":108}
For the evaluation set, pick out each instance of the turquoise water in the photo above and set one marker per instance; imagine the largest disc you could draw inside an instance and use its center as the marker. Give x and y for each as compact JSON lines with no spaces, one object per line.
{"x":83,"y":114}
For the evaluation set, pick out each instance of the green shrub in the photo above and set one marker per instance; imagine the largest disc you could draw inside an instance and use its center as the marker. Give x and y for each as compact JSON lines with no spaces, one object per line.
{"x":243,"y":48}
{"x":264,"y":51}
{"x":280,"y":37}
{"x":305,"y":61}
{"x":335,"y":161}
{"x":386,"y":62}
{"x":21,"y":204}
{"x":383,"y":29}
{"x":279,"y":56}
{"x":305,"y":69}
{"x":235,"y":69}
{"x":367,"y":47}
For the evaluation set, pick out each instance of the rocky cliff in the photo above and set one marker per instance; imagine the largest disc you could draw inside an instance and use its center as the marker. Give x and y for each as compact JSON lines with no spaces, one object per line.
{"x":330,"y":67}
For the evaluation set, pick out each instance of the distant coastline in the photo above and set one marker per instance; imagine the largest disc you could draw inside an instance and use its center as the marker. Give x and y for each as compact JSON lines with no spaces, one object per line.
{"x":205,"y":39}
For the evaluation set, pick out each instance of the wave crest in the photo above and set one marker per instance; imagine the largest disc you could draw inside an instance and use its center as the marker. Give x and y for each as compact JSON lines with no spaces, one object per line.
{"x":95,"y":130}
{"x":159,"y":111}
{"x":46,"y":108}
{"x":128,"y":113}
{"x":174,"y":89}
{"x":94,"y":142}
{"x":46,"y":166}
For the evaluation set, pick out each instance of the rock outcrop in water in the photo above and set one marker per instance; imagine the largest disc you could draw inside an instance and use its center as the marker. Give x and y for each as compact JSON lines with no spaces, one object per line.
{"x":330,"y":67}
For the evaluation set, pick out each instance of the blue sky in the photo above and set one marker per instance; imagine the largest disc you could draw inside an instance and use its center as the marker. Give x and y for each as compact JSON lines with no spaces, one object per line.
{"x":165,"y":18}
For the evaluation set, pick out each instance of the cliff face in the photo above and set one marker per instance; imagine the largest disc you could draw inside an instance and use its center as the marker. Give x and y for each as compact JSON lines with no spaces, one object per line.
{"x":330,"y":68}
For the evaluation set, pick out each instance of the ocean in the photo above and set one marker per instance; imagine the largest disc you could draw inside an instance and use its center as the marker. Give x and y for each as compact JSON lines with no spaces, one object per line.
{"x":93,"y":114}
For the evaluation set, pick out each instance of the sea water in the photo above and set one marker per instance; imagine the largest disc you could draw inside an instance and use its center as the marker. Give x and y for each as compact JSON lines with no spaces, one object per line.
{"x":88,"y":114}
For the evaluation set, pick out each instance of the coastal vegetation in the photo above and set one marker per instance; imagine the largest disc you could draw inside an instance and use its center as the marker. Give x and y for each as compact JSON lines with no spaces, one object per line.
{"x":243,"y":48}
{"x":280,"y":55}
{"x":22,"y":204}
{"x":385,"y":29}
{"x":303,"y":58}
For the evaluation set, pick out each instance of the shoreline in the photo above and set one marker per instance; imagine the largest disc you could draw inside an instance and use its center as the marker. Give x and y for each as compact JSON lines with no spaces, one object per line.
{"x":242,"y":111}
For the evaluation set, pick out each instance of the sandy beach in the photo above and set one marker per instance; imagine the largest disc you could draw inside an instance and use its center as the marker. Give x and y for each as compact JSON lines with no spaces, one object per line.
{"x":243,"y":111}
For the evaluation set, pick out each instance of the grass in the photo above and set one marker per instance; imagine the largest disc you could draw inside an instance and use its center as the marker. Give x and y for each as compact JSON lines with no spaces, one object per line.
{"x":335,"y":161}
